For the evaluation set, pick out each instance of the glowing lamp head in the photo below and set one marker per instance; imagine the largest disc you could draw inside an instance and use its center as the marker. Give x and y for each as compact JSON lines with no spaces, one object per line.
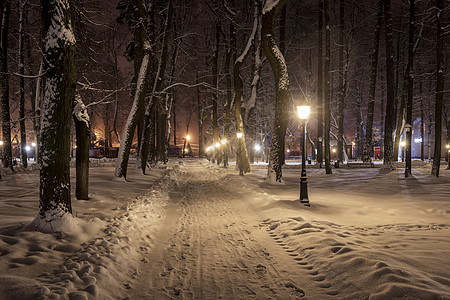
{"x":288,"y":150}
{"x":257,"y":147}
{"x":186,"y":150}
{"x":447,"y":146}
{"x":224,"y":141}
{"x":1,"y":143}
{"x":188,"y":137}
{"x":27,"y":148}
{"x":217,"y":145}
{"x":208,"y":149}
{"x":403,"y":144}
{"x":239,"y":135}
{"x":33,"y":144}
{"x":303,"y":111}
{"x":334,"y":150}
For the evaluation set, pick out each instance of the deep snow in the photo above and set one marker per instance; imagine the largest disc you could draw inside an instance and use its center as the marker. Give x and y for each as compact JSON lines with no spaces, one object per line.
{"x":193,"y":230}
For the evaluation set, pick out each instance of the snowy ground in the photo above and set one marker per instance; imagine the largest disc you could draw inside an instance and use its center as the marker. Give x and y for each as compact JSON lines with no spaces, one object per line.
{"x":192,"y":230}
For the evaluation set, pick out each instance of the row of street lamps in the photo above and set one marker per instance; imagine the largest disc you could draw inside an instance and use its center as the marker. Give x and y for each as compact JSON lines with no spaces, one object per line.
{"x":303,"y":114}
{"x":257,"y":147}
{"x":27,"y":147}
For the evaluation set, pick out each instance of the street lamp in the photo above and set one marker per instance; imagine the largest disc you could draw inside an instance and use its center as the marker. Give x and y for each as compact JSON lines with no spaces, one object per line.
{"x":408,"y":150}
{"x":303,"y":113}
{"x":403,"y":145}
{"x":186,"y":140}
{"x":257,"y":148}
{"x":223,"y":141}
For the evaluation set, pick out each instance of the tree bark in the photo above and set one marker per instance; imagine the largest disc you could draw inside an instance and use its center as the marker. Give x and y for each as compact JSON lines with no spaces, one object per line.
{"x":4,"y":84}
{"x":229,"y":98}
{"x":439,"y":88}
{"x":368,"y":145}
{"x":54,"y":200}
{"x":390,"y":90}
{"x":138,"y":98}
{"x":23,"y":134}
{"x":217,"y":150}
{"x":327,"y":105}
{"x":410,"y":87}
{"x":242,"y":159}
{"x":83,"y":134}
{"x":157,"y":85}
{"x":342,"y":83}
{"x":320,"y":87}
{"x":281,"y":77}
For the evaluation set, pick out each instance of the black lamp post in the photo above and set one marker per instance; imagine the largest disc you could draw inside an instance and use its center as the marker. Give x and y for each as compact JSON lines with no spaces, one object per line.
{"x":303,"y":113}
{"x":408,"y":150}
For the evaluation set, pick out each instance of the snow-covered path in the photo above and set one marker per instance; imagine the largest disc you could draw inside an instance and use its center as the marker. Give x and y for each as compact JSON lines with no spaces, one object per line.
{"x":208,"y":247}
{"x":224,"y":237}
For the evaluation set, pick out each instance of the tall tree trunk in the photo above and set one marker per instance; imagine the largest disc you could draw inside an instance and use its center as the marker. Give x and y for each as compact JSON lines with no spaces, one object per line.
{"x":283,"y":16}
{"x":4,"y":84}
{"x":36,"y":109}
{"x":54,"y":200}
{"x":390,"y":90}
{"x":410,"y":87}
{"x":159,"y":80}
{"x":174,"y":120}
{"x":229,"y":98}
{"x":23,"y":134}
{"x":243,"y":161}
{"x":422,"y":124}
{"x":327,"y":105}
{"x":368,"y":145}
{"x":130,"y":125}
{"x":359,"y":128}
{"x":320,"y":87}
{"x":83,"y":135}
{"x":342,"y":84}
{"x":281,"y":77}
{"x":138,"y":98}
{"x":439,"y":88}
{"x":382,"y":119}
{"x":257,"y":64}
{"x":215,"y":82}
{"x":200,"y":111}
{"x":172,"y":106}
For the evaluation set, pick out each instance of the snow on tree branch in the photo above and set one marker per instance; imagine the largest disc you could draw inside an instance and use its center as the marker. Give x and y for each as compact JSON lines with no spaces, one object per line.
{"x":269,"y":5}
{"x":79,"y":110}
{"x":60,"y":32}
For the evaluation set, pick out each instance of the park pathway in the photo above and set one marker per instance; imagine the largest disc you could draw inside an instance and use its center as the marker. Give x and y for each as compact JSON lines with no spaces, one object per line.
{"x":211,"y":245}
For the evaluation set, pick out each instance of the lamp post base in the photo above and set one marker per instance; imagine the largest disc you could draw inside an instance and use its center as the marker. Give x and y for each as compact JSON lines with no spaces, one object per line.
{"x":305,"y":202}
{"x":304,"y":191}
